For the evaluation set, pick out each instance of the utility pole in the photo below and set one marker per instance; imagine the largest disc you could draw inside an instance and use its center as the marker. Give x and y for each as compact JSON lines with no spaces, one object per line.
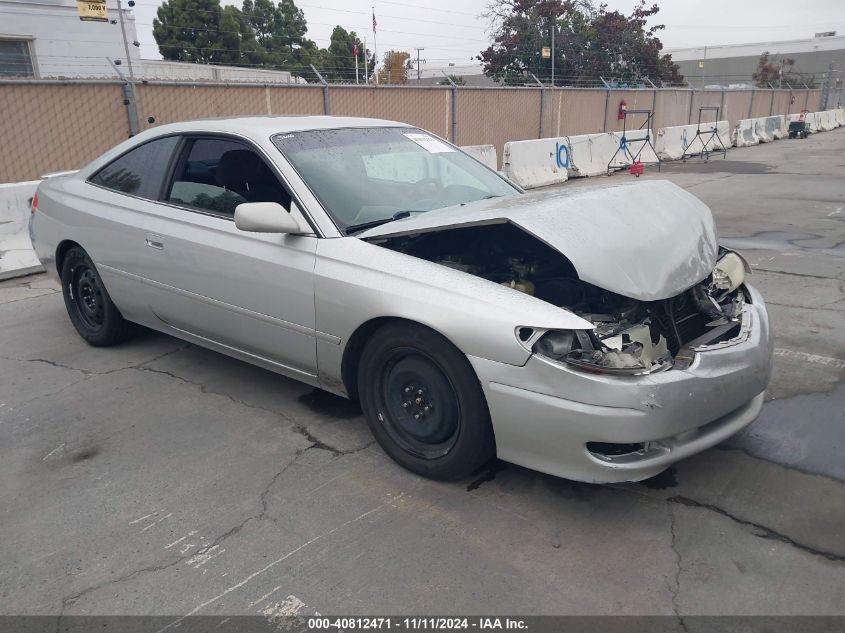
{"x":125,"y":43}
{"x":418,"y":61}
{"x":554,"y":23}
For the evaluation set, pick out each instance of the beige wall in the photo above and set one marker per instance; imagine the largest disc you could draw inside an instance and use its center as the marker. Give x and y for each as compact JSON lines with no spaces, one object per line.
{"x":57,"y":126}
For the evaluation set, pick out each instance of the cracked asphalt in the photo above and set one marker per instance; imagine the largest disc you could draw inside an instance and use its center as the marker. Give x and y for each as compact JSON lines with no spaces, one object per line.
{"x":160,"y":478}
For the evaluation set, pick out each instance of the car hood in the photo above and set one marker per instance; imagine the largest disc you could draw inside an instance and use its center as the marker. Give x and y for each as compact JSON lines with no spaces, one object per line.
{"x":648,"y":240}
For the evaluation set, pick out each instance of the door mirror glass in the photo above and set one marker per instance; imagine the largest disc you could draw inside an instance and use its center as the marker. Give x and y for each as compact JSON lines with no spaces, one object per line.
{"x":265,"y":217}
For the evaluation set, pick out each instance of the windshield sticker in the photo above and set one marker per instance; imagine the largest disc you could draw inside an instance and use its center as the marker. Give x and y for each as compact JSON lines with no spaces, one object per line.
{"x":429,"y":143}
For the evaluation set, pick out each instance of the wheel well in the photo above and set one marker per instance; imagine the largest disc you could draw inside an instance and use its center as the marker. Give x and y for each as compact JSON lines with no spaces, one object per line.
{"x":357,"y":342}
{"x":61,"y":251}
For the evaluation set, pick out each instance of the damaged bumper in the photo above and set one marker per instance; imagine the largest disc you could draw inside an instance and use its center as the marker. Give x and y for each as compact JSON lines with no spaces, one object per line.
{"x":602,"y":428}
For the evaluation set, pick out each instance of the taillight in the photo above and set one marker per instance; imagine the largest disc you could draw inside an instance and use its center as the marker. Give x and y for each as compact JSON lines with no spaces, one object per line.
{"x":34,"y":206}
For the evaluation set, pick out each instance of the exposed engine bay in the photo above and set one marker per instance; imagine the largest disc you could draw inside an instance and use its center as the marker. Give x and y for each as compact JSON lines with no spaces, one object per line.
{"x":630,"y":336}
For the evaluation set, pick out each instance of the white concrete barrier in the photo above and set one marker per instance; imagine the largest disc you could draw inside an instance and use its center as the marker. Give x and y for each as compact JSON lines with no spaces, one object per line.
{"x":636,"y":143}
{"x":483,"y":153}
{"x":16,"y":255}
{"x":761,"y":130}
{"x":776,"y":126}
{"x":590,"y":153}
{"x":536,"y":163}
{"x":673,"y":142}
{"x":828,"y":121}
{"x":812,"y":121}
{"x":744,"y":133}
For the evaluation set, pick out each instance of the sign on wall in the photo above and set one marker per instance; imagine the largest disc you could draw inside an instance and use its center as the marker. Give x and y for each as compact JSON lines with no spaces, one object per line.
{"x":92,"y":10}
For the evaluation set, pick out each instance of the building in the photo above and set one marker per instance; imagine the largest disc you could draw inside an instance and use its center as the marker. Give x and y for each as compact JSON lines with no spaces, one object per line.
{"x":733,"y":65}
{"x":46,"y":39}
{"x":472,"y":75}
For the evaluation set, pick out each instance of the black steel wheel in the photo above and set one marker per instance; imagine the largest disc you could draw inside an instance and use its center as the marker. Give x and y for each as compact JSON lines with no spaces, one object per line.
{"x":423,"y":402}
{"x":88,"y":304}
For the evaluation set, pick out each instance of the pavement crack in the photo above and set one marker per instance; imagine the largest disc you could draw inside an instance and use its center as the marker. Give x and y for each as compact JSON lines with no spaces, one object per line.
{"x":760,"y":531}
{"x":786,"y":466}
{"x":676,"y":586}
{"x":205,"y":390}
{"x":68,"y":601}
{"x":71,"y":599}
{"x":788,"y":274}
{"x":47,"y":361}
{"x":316,"y":443}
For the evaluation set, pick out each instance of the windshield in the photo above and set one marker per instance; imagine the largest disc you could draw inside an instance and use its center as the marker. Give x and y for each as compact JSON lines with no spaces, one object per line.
{"x":367,"y":176}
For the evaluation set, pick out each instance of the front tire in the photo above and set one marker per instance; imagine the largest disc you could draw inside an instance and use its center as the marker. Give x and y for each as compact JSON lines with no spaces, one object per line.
{"x":88,"y":304}
{"x":424,"y":404}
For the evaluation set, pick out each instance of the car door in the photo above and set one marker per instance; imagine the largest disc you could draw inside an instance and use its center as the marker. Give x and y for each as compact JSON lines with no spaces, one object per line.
{"x":121,"y":199}
{"x":250,"y":293}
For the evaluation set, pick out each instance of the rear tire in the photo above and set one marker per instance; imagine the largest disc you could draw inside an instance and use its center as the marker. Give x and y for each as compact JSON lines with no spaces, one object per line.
{"x":424,"y":404}
{"x":88,"y":304}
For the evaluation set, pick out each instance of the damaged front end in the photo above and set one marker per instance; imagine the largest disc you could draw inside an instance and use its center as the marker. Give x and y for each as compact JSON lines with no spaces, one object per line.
{"x":645,"y":337}
{"x":630,"y":336}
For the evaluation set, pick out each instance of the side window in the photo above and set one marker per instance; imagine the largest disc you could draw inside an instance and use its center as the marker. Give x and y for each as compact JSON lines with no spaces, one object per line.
{"x":140,"y":171}
{"x":218,"y":174}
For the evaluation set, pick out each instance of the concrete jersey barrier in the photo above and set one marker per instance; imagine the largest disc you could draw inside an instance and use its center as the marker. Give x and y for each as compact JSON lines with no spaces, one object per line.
{"x":590,"y":154}
{"x":672,"y":142}
{"x":483,"y":153}
{"x":536,"y":163}
{"x":543,"y":162}
{"x":16,"y":255}
{"x":744,"y":133}
{"x":769,"y":128}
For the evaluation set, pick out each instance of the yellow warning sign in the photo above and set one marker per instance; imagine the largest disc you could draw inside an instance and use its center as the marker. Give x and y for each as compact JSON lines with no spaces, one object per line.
{"x":92,"y":10}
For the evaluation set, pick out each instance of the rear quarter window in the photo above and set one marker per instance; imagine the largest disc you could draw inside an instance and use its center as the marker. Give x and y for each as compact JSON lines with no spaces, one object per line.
{"x":140,"y":171}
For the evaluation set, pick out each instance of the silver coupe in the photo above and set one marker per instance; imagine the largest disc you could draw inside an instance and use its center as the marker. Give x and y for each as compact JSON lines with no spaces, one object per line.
{"x":598,"y":334}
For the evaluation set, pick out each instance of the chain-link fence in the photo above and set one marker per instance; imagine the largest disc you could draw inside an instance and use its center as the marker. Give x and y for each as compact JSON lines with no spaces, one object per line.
{"x":52,"y":126}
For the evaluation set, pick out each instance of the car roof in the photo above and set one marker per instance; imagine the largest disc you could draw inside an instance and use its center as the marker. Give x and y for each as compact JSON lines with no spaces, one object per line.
{"x":264,"y":126}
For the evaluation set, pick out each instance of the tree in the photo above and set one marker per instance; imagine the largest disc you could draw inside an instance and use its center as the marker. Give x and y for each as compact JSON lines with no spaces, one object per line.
{"x":458,"y":80}
{"x":590,"y":43}
{"x":338,"y":61}
{"x":237,"y":40}
{"x":189,"y":31}
{"x":280,"y":31}
{"x":394,"y":69}
{"x":778,"y":72}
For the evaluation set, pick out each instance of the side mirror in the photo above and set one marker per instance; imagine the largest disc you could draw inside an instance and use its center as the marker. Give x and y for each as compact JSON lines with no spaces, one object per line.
{"x":265,"y":217}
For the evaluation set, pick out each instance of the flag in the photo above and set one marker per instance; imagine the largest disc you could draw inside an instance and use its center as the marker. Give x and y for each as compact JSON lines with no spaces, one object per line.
{"x":374,"y":20}
{"x":355,"y":50}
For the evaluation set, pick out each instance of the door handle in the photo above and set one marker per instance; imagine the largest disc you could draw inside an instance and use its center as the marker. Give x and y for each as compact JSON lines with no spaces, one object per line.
{"x":154,"y":241}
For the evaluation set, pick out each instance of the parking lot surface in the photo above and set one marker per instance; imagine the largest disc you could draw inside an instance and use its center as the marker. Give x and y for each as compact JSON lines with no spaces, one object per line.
{"x":159,"y":478}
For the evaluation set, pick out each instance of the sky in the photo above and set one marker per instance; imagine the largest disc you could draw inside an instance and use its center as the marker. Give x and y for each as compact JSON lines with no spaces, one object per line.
{"x":454,"y":31}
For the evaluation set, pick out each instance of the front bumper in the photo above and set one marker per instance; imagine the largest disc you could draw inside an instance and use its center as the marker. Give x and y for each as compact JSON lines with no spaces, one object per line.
{"x":544,"y":413}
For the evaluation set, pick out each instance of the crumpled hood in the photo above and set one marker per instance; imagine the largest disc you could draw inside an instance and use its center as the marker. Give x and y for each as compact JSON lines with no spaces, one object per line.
{"x":647,"y":240}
